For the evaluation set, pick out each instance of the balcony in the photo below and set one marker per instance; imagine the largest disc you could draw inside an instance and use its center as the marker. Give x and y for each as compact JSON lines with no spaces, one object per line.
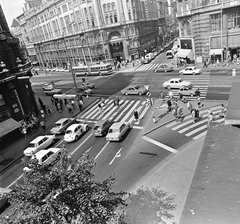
{"x":183,"y":13}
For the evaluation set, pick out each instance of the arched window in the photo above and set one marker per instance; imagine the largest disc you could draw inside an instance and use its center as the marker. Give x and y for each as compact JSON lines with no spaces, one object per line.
{"x":104,"y":7}
{"x":129,"y":15}
{"x":111,"y":18}
{"x":113,"y":6}
{"x":93,"y":23}
{"x":106,"y":18}
{"x":115,"y":18}
{"x":109,"y":7}
{"x":90,"y":10}
{"x":127,"y":2}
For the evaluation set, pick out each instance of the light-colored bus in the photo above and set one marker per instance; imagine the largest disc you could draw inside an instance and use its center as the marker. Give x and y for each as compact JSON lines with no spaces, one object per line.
{"x":99,"y":69}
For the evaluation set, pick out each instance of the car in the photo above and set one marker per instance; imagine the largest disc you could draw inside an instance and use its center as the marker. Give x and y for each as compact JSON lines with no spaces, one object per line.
{"x":61,"y":125}
{"x":134,"y":90}
{"x":47,"y":86}
{"x":117,"y":131}
{"x":190,"y":70}
{"x":169,"y":54}
{"x":186,"y":91}
{"x":163,"y":68}
{"x":41,"y":142}
{"x":74,"y":131}
{"x":101,"y":127}
{"x":45,"y":156}
{"x":52,"y":92}
{"x":145,"y":61}
{"x":176,"y":83}
{"x":3,"y":196}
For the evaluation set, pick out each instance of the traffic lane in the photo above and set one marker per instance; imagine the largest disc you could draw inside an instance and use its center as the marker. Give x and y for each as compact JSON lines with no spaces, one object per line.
{"x":218,"y":92}
{"x":135,"y":159}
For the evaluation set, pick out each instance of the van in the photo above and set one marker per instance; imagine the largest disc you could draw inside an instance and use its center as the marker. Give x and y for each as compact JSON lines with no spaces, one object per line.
{"x":169,"y":54}
{"x":3,"y":198}
{"x":101,"y":127}
{"x":149,"y":56}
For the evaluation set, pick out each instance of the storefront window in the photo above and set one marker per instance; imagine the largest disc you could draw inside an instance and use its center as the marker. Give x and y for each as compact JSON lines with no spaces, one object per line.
{"x":2,"y":102}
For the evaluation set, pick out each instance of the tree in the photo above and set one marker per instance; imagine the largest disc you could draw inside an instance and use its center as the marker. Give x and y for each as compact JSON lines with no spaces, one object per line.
{"x":64,"y":193}
{"x":149,"y":206}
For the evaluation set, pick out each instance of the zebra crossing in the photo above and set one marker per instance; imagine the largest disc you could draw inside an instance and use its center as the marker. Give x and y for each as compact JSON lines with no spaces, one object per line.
{"x":149,"y":66}
{"x":198,"y":82}
{"x":198,"y":129}
{"x":123,"y":112}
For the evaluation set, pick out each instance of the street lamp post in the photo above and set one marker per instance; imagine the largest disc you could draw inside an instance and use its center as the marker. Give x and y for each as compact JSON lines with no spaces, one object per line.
{"x":70,"y":62}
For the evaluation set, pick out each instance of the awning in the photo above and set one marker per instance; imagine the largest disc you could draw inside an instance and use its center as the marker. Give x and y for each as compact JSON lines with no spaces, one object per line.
{"x":215,"y":51}
{"x":8,"y":125}
{"x":183,"y":53}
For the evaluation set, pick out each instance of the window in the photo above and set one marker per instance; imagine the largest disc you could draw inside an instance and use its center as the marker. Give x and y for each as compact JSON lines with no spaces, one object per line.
{"x":113,"y":6}
{"x":106,"y":18}
{"x":90,"y":10}
{"x":234,"y":20}
{"x":111,"y":18}
{"x":2,"y":102}
{"x":129,"y":15}
{"x":115,"y":18}
{"x":93,"y":24}
{"x":104,"y":8}
{"x":42,"y":19}
{"x":215,"y":23}
{"x":109,"y":7}
{"x":64,"y":8}
{"x":69,"y":5}
{"x":59,"y":11}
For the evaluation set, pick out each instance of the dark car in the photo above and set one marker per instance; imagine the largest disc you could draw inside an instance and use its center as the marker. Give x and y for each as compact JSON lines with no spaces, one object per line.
{"x":101,"y":127}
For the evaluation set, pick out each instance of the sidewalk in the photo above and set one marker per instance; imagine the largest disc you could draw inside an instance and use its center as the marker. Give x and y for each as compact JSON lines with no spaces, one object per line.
{"x":12,"y":153}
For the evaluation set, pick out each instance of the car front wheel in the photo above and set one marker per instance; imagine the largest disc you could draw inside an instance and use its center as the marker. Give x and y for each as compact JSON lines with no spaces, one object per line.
{"x":139,"y":93}
{"x":76,"y":138}
{"x":191,"y":94}
{"x":193,"y":73}
{"x":168,"y":87}
{"x":125,"y":93}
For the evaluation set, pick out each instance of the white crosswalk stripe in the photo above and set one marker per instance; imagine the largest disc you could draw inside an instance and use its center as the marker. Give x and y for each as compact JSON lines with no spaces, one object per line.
{"x":123,"y":112}
{"x":198,"y":129}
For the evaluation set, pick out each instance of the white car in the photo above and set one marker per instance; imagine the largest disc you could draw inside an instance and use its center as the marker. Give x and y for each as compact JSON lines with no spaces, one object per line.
{"x":75,"y":131}
{"x":117,"y":131}
{"x":45,"y":156}
{"x":190,"y":70}
{"x":61,"y":125}
{"x":186,"y":91}
{"x":41,"y":142}
{"x":176,"y":83}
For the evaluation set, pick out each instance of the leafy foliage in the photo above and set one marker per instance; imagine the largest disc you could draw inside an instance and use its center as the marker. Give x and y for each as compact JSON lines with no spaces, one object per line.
{"x":149,"y":206}
{"x":64,"y":193}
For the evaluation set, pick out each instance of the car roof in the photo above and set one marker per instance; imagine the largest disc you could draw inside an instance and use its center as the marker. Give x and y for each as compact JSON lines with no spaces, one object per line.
{"x":73,"y":126}
{"x":117,"y":124}
{"x":42,"y":153}
{"x":37,"y":139}
{"x":101,"y":122}
{"x":61,"y":120}
{"x":174,"y":79}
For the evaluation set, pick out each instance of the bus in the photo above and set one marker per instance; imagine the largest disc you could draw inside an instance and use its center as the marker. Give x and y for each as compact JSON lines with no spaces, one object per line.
{"x":99,"y":69}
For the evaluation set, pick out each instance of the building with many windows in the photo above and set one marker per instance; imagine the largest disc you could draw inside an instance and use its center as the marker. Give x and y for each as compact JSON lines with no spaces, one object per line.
{"x":214,"y":26}
{"x":88,"y":31}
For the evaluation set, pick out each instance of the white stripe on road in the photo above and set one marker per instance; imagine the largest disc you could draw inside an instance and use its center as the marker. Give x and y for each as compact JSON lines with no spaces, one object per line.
{"x":200,"y":135}
{"x":98,"y":114}
{"x":139,"y":111}
{"x":111,"y":111}
{"x":101,"y":150}
{"x":81,"y":144}
{"x":126,"y":108}
{"x":130,"y":111}
{"x":160,"y":144}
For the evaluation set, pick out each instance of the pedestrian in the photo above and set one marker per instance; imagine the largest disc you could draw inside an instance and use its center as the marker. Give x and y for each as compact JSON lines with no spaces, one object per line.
{"x":197,"y":93}
{"x":189,"y":106}
{"x":193,"y":112}
{"x":59,"y":108}
{"x":180,"y":96}
{"x":135,"y":114}
{"x":100,"y":108}
{"x":210,"y":119}
{"x":73,"y":104}
{"x":40,"y":101}
{"x":170,"y":94}
{"x":161,"y":94}
{"x":44,"y":108}
{"x":61,"y":103}
{"x":153,"y":117}
{"x":65,"y":101}
{"x":49,"y":111}
{"x":36,"y":72}
{"x":69,"y":106}
{"x":52,"y":99}
{"x":180,"y":114}
{"x":42,"y":124}
{"x":42,"y":114}
{"x":169,"y":104}
{"x":24,"y":131}
{"x":222,"y":111}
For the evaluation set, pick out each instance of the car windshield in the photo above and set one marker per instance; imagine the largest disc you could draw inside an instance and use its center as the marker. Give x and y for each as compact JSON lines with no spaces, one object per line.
{"x":180,"y":80}
{"x":113,"y":130}
{"x":97,"y":128}
{"x":31,"y":145}
{"x":69,"y":132}
{"x":57,"y":125}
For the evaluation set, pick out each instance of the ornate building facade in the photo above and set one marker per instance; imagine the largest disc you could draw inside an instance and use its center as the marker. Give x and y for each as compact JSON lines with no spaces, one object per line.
{"x":17,"y":100}
{"x":214,"y":26}
{"x":87,"y":31}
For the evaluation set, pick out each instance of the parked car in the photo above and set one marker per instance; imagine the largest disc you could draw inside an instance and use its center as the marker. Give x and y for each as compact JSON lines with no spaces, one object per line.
{"x":45,"y":156}
{"x":101,"y":127}
{"x":134,"y":90}
{"x":41,"y":142}
{"x":62,"y":124}
{"x":149,"y":56}
{"x":190,"y":70}
{"x":47,"y":86}
{"x":169,"y":54}
{"x":176,"y":83}
{"x":74,"y":131}
{"x":186,"y":91}
{"x":117,"y":131}
{"x":3,"y":193}
{"x":163,"y":68}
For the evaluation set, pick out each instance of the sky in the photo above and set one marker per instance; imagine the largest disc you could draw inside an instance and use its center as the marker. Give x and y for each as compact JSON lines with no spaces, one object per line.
{"x":12,"y":9}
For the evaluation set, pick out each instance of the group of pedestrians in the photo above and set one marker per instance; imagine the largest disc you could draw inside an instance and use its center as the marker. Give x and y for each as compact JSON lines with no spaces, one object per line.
{"x":29,"y":125}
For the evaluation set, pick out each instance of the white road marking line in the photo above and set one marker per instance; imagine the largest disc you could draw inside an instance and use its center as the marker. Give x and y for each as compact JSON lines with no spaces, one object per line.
{"x":160,"y":145}
{"x":193,"y":125}
{"x":126,"y":108}
{"x":130,"y":111}
{"x":196,"y":130}
{"x":97,"y":112}
{"x":138,"y":110}
{"x":118,"y":154}
{"x":111,"y":111}
{"x":105,"y":109}
{"x":137,"y":127}
{"x":101,"y":150}
{"x":81,"y":144}
{"x":200,"y":135}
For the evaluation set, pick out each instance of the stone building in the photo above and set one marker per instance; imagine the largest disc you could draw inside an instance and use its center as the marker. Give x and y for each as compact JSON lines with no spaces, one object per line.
{"x":17,"y":100}
{"x":213,"y":25}
{"x":88,"y":31}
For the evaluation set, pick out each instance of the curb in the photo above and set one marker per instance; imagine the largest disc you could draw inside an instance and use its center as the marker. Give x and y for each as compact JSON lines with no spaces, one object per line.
{"x":15,"y":160}
{"x":163,"y":124}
